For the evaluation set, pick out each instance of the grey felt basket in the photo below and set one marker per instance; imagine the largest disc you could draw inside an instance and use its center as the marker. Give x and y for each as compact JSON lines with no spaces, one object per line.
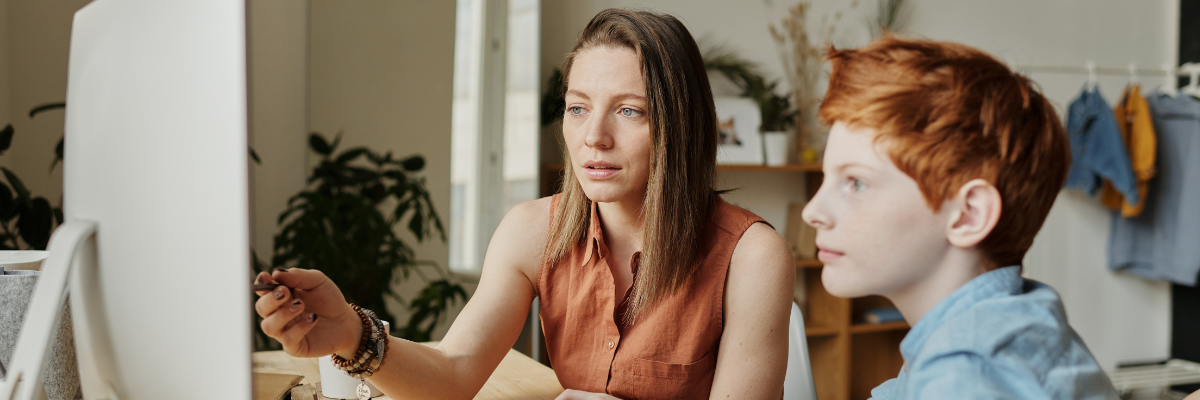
{"x":61,"y":373}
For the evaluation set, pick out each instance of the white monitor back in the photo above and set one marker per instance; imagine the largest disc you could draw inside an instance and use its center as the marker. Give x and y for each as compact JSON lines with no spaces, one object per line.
{"x":156,"y":156}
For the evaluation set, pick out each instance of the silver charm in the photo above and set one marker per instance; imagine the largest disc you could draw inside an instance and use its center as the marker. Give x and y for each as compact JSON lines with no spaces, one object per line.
{"x":362,"y":391}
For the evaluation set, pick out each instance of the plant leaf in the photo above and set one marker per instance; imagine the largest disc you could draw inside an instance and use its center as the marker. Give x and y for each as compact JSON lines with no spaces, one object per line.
{"x":350,"y":155}
{"x":36,"y":223}
{"x":253,"y":156}
{"x":414,"y":163}
{"x":18,"y":186}
{"x":46,"y":107}
{"x":58,"y":154}
{"x":318,"y":144}
{"x":6,"y":136}
{"x":7,"y":203}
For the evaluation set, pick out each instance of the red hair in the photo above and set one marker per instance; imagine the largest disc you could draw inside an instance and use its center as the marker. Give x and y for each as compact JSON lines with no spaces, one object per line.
{"x":949,"y":114}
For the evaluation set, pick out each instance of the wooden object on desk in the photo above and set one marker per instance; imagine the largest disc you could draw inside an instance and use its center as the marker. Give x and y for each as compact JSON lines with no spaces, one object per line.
{"x":517,"y":376}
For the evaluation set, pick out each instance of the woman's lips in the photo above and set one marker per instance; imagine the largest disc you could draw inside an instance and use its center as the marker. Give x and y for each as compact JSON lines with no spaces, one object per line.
{"x":600,"y":169}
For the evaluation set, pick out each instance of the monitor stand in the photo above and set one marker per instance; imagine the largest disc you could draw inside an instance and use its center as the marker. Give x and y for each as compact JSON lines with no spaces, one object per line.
{"x":71,"y":260}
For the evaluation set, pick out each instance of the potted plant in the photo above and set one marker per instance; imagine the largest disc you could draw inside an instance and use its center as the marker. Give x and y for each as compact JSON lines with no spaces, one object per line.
{"x":345,"y":225}
{"x":778,"y":115}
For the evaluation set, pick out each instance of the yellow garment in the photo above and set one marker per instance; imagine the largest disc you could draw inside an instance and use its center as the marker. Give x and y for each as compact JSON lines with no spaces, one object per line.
{"x":1137,"y":131}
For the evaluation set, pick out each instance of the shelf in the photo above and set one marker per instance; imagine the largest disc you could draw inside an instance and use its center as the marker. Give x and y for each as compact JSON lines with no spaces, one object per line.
{"x":868,"y":328}
{"x":802,"y":263}
{"x":737,"y":168}
{"x":817,"y":331}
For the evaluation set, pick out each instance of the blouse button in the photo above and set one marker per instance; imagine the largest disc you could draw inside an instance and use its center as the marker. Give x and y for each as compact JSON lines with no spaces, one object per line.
{"x":610,"y":345}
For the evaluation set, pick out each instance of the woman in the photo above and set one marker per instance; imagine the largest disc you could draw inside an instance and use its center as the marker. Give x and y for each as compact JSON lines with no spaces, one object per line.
{"x":643,"y":272}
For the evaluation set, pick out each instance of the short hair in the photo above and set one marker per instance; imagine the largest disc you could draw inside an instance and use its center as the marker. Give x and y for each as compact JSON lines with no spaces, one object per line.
{"x":950,"y":113}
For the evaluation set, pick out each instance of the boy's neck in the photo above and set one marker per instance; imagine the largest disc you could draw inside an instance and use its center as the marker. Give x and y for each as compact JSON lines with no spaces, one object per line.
{"x":956,"y":269}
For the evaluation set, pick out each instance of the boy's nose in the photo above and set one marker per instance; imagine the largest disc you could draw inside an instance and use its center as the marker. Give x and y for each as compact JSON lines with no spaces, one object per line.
{"x":814,"y":213}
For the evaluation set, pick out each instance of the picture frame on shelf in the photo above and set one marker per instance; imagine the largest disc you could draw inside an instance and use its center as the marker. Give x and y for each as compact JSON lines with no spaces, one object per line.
{"x":738,"y":120}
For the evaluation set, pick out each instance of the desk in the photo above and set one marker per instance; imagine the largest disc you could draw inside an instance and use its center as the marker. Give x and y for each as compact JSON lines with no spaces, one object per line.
{"x":517,"y":377}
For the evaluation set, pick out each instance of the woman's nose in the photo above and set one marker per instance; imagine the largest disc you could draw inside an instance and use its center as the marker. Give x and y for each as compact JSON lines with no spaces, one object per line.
{"x":598,"y":135}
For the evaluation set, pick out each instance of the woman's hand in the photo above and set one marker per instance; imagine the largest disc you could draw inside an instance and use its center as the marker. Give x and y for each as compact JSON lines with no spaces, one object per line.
{"x":578,"y":395}
{"x":307,"y":314}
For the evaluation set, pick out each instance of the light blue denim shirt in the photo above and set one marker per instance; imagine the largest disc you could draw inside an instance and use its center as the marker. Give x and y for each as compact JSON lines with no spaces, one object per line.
{"x":1097,"y":150}
{"x":998,"y":336}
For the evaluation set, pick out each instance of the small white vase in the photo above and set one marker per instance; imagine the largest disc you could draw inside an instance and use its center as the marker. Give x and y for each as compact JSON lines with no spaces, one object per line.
{"x":775,"y":148}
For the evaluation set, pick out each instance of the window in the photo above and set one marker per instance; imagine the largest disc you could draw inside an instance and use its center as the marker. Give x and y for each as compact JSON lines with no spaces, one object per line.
{"x":494,"y":134}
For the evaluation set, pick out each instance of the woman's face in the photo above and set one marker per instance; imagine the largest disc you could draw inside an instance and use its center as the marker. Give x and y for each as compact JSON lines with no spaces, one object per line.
{"x":607,"y":125}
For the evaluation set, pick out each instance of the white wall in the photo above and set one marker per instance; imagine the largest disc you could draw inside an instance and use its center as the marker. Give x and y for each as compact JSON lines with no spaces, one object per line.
{"x":1120,"y":317}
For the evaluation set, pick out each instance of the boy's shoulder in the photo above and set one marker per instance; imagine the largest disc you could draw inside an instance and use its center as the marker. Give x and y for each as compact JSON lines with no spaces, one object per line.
{"x":1030,"y":325}
{"x":1018,"y":339}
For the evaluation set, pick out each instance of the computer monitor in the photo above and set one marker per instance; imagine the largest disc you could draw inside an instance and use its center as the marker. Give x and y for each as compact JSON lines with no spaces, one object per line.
{"x":156,"y":164}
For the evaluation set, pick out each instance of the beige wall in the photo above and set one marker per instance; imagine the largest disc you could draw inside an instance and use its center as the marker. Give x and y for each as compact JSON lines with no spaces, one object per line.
{"x":38,"y":36}
{"x":278,"y":36}
{"x":381,"y":71}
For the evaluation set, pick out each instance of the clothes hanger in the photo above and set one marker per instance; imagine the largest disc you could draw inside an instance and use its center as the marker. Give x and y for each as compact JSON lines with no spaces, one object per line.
{"x":1170,"y":80}
{"x":1192,"y":88}
{"x":1091,"y":71}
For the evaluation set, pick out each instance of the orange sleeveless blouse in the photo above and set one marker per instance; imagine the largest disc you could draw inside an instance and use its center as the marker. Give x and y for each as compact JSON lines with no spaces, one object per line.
{"x":671,"y":350}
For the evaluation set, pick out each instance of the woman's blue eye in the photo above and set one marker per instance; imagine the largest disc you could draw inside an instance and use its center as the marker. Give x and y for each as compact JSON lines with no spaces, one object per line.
{"x":629,"y":112}
{"x":575,"y":110}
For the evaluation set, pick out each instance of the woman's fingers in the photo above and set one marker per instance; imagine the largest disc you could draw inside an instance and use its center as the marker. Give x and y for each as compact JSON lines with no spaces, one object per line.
{"x":292,"y":338}
{"x":275,"y":324}
{"x":268,"y":302}
{"x":262,"y":277}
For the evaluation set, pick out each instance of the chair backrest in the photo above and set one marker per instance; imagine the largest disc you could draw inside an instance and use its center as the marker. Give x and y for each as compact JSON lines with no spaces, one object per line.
{"x":798,"y":382}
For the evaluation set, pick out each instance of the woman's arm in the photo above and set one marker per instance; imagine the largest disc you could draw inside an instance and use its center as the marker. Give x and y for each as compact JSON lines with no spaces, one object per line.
{"x":758,"y":303}
{"x":488,"y":325}
{"x":477,"y":341}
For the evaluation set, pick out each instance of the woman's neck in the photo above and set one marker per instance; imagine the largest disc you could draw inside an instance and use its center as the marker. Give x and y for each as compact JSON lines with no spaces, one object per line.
{"x":622,"y":224}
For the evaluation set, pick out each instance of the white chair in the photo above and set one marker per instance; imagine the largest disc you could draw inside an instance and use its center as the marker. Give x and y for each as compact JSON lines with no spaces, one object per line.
{"x":798,"y":382}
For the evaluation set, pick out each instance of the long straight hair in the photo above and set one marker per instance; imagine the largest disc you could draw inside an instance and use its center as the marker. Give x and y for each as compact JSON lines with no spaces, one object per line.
{"x":683,"y":124}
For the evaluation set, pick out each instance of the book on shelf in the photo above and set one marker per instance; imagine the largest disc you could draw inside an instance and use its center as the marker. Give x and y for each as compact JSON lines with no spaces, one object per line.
{"x":882,"y":315}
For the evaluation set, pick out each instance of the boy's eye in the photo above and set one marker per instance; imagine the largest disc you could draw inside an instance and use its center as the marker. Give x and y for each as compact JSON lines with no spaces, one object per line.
{"x":857,"y":185}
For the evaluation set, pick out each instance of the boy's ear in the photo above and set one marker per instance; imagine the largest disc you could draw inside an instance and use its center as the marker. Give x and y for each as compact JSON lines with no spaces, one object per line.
{"x":975,"y":212}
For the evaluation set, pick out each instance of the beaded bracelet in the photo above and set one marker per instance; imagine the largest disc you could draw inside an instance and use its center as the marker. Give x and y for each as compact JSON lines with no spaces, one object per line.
{"x":372,"y":347}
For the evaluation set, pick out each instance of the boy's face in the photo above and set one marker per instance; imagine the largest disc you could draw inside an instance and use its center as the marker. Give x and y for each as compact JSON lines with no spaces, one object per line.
{"x":875,"y":233}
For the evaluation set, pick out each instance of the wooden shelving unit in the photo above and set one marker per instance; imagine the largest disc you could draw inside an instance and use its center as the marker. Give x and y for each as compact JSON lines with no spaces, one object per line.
{"x":849,"y":357}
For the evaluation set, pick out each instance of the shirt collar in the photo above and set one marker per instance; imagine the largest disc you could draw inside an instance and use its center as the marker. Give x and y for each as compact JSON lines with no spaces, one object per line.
{"x":995,"y":283}
{"x":595,"y":237}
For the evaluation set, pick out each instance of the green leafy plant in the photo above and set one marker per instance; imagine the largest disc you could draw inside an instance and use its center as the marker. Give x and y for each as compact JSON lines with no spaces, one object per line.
{"x":777,"y":112}
{"x":26,"y":221}
{"x":344,"y":224}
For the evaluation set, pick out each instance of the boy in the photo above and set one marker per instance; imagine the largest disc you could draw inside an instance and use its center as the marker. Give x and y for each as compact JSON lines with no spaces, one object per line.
{"x":940,"y":168}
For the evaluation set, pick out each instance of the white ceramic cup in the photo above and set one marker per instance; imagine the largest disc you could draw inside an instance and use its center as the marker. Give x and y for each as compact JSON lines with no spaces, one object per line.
{"x":335,"y":384}
{"x":775,"y":147}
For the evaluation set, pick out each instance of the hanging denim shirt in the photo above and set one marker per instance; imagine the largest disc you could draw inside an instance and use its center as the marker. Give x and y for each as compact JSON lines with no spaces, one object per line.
{"x":1097,"y":150}
{"x":1161,"y":242}
{"x":999,"y":336}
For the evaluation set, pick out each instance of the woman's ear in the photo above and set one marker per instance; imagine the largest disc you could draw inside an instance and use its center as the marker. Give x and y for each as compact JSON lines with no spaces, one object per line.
{"x":976,"y":211}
